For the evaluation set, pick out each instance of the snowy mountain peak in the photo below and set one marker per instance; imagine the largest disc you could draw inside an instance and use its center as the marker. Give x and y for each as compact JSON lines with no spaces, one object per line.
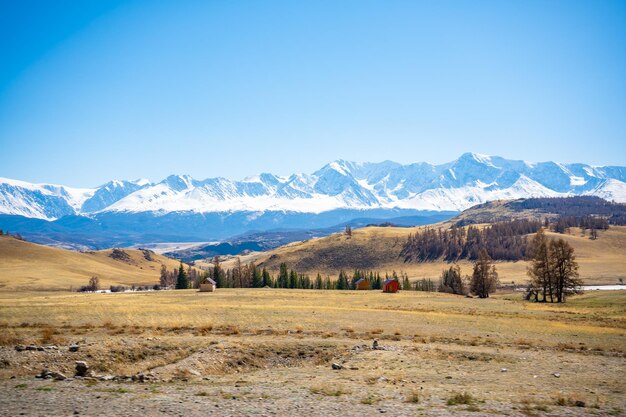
{"x":471,"y":179}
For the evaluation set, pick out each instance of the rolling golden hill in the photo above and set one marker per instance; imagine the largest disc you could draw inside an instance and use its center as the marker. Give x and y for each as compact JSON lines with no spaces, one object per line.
{"x":602,"y":261}
{"x":25,"y":265}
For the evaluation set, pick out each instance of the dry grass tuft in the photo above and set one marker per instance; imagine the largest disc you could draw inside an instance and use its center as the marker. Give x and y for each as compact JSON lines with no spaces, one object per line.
{"x":335,"y":391}
{"x":461,"y":398}
{"x":413,"y":397}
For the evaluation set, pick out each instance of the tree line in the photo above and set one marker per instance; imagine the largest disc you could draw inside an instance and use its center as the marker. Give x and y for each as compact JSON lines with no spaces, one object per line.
{"x":502,"y":241}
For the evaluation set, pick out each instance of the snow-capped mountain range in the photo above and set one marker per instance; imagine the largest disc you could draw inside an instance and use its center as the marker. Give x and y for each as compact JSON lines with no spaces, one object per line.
{"x":454,"y":186}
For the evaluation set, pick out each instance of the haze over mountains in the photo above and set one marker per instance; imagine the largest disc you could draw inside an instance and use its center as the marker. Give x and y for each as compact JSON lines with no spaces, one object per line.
{"x":183,"y":208}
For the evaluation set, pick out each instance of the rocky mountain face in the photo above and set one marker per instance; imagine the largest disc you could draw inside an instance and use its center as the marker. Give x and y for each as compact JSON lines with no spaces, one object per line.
{"x":457,"y":185}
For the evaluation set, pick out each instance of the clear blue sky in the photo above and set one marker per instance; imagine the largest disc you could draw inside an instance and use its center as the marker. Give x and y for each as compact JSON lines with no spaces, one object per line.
{"x":95,"y":90}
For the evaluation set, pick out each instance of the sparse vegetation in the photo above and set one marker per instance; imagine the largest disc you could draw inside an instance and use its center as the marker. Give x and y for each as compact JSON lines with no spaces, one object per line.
{"x":461,"y":398}
{"x":334,"y":391}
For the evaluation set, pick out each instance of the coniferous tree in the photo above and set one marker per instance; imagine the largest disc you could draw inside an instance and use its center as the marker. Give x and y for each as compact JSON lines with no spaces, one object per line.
{"x":406,"y":284}
{"x":293,"y":279}
{"x":539,"y":269}
{"x":283,"y":276}
{"x":484,"y":277}
{"x":257,"y":277}
{"x":164,"y":278}
{"x":451,"y":281}
{"x":565,"y":270}
{"x":182,"y":282}
{"x":318,"y":282}
{"x":342,"y":282}
{"x":267,"y":279}
{"x":218,"y":274}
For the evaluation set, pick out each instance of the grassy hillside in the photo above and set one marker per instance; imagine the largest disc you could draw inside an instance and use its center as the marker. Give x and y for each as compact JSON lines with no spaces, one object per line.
{"x":25,"y":265}
{"x":602,"y":261}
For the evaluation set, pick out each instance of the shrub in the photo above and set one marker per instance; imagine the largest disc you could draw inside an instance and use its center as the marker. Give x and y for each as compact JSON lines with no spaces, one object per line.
{"x":461,"y":398}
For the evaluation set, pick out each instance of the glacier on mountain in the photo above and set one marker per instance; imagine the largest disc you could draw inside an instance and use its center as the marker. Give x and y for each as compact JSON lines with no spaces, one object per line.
{"x":469,"y":180}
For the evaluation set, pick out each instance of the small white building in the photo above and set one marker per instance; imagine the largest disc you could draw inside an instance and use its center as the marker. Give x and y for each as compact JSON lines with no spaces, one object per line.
{"x":208,"y":286}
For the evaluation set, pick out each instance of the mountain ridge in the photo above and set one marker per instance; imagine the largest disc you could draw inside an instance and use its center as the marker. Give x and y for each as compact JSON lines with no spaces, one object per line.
{"x":468,"y":180}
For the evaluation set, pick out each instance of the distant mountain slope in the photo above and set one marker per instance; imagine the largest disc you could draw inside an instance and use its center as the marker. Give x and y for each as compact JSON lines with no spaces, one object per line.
{"x":25,"y":265}
{"x":469,"y":180}
{"x":602,"y":261}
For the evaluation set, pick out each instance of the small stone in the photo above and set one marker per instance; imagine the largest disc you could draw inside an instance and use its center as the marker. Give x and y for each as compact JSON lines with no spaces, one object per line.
{"x":73,"y":348}
{"x":81,"y":368}
{"x":579,"y":403}
{"x":138,"y":378}
{"x":556,"y":375}
{"x":58,"y":376}
{"x":503,"y":370}
{"x":375,"y":344}
{"x":20,"y":348}
{"x":336,"y":366}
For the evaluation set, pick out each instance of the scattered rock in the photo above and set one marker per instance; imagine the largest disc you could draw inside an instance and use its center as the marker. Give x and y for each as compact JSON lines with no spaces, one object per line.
{"x":58,"y":376}
{"x":45,"y":374}
{"x":138,"y":378}
{"x":73,"y":348}
{"x":336,"y":366}
{"x":360,"y":347}
{"x":82,"y":369}
{"x":556,"y":375}
{"x":106,"y":378}
{"x":503,"y":370}
{"x":20,"y":348}
{"x":375,"y":344}
{"x":579,"y":403}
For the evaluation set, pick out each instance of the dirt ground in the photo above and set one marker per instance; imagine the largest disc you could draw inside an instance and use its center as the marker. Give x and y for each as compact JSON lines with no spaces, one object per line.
{"x":273,"y":361}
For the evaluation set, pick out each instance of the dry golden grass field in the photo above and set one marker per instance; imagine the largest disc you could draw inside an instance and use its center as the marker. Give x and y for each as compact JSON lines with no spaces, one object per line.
{"x":602,"y":261}
{"x":28,"y":266}
{"x":269,"y":352}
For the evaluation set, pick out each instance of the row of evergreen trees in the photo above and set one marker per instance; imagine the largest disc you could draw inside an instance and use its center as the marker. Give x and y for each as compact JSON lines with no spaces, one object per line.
{"x":250,"y":276}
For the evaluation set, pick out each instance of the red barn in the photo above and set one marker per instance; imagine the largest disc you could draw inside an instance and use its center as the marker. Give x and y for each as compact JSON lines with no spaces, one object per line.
{"x":391,"y":285}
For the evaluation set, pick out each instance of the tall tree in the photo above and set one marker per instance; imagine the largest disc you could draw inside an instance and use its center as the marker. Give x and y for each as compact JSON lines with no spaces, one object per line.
{"x":257,"y":276}
{"x":342,"y":281}
{"x":283,"y":276}
{"x":484,"y":277}
{"x":565,"y":270}
{"x":182,"y":282}
{"x":451,"y":281}
{"x":539,"y":270}
{"x":218,"y":274}
{"x":267,"y":279}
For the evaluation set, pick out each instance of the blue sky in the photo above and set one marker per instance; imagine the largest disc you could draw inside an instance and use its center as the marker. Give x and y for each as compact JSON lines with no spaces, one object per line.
{"x":91,"y":91}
